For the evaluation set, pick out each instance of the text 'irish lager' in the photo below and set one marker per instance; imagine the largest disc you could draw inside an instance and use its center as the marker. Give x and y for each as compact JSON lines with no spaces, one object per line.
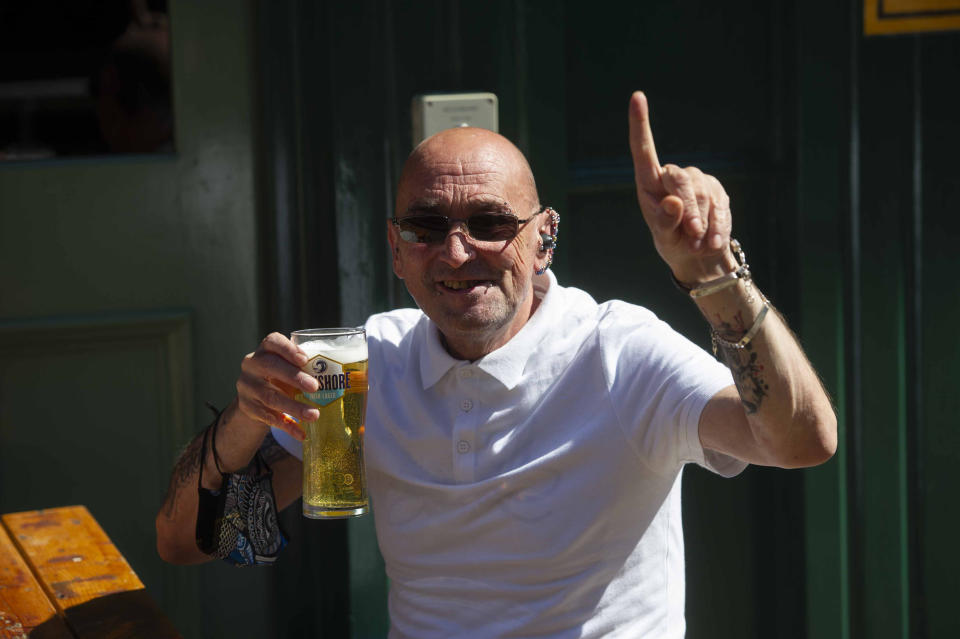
{"x":333,"y":477}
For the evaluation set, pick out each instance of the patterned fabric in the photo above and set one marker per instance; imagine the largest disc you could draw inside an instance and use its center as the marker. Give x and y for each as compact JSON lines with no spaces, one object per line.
{"x":238,"y":523}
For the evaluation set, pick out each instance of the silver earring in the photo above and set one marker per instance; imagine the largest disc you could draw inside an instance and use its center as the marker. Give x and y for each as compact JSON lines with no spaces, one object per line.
{"x":548,"y":241}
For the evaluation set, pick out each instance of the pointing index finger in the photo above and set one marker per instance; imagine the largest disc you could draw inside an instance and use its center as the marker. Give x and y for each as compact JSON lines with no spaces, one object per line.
{"x":646,"y":166}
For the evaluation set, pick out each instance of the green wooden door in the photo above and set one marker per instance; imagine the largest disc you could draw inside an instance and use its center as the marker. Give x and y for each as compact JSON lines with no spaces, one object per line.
{"x":878,"y":177}
{"x":563,"y":72}
{"x":836,"y":151}
{"x":838,"y":154}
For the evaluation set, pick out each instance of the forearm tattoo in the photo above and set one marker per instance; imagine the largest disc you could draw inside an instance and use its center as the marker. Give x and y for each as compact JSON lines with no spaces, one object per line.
{"x":748,"y":373}
{"x":184,"y":474}
{"x":185,"y":471}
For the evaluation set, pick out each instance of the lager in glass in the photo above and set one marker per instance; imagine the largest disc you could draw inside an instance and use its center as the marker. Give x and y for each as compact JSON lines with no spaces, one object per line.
{"x":333,"y":478}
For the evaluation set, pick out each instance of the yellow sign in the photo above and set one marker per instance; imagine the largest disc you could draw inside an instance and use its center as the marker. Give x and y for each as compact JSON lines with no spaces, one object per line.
{"x":910,"y":16}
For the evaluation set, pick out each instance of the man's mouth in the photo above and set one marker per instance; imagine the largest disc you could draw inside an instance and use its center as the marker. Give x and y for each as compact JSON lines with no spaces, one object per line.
{"x":460,"y":285}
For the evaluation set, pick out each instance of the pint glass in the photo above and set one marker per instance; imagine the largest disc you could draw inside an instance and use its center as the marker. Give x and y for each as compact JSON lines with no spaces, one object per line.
{"x":333,"y":479}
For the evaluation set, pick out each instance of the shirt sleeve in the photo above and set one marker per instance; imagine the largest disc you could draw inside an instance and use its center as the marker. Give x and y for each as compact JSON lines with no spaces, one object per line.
{"x":659,"y":383}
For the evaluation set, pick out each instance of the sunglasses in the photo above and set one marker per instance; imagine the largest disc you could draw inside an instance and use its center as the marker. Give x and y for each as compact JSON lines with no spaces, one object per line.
{"x":483,"y":227}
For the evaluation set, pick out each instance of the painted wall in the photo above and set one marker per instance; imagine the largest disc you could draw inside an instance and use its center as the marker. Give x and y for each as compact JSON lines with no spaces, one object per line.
{"x":128,"y":296}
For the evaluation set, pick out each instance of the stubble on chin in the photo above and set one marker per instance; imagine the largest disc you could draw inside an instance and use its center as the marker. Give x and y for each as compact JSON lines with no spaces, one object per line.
{"x":480,"y":322}
{"x":481,"y":329}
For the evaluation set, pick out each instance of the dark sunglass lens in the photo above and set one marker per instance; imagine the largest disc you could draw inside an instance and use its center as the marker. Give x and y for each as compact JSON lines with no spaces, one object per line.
{"x":493,"y":226}
{"x":430,"y":222}
{"x":423,"y":228}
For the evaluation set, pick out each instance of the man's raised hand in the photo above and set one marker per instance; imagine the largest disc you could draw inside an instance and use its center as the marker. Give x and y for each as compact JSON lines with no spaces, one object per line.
{"x":687,"y":211}
{"x":269,"y":378}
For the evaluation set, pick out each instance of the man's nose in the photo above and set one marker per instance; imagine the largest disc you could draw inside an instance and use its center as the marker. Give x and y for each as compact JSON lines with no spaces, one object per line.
{"x":458,"y":246}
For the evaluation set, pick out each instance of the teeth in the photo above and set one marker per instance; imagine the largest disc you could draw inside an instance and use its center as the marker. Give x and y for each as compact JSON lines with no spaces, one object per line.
{"x":458,"y":284}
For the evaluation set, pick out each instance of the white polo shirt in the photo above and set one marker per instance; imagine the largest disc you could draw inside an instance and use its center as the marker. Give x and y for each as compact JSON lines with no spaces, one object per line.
{"x":536,"y":491}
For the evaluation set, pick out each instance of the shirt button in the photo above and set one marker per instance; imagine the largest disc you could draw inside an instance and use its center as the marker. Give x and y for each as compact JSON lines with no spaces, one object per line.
{"x":466,"y":405}
{"x":465,"y":373}
{"x":463,"y":446}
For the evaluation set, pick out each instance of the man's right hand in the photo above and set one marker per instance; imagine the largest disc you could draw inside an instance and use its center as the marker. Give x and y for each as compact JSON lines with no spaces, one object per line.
{"x":269,"y":379}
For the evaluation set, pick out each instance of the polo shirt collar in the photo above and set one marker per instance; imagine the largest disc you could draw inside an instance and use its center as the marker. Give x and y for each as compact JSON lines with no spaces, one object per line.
{"x":505,"y":364}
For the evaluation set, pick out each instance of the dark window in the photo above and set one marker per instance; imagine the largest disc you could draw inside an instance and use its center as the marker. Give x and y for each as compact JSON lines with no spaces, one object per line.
{"x":85,"y":77}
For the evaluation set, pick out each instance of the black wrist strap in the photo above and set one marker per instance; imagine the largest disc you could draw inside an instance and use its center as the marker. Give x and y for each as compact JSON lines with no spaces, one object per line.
{"x":238,"y":522}
{"x":210,"y":504}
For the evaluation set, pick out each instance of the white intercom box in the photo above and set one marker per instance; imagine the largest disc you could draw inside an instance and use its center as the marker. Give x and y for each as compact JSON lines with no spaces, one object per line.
{"x":438,"y":111}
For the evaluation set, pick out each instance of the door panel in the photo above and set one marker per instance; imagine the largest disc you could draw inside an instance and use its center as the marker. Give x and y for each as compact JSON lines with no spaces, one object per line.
{"x":92,"y":412}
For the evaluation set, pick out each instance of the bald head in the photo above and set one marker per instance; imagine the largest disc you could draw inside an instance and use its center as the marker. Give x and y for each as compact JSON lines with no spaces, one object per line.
{"x":478,"y":291}
{"x":466,"y":156}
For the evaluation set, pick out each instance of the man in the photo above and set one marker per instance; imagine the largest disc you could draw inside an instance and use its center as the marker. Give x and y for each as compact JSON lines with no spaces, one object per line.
{"x":525,"y":444}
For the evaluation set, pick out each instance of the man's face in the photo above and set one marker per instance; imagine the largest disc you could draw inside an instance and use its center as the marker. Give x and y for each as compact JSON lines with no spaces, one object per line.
{"x":478,"y":293}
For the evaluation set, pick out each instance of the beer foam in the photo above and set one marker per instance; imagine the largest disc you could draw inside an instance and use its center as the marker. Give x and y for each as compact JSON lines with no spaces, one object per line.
{"x":346,"y":349}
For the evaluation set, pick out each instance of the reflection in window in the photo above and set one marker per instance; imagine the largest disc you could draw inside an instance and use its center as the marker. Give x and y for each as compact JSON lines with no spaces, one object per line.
{"x":84,"y":77}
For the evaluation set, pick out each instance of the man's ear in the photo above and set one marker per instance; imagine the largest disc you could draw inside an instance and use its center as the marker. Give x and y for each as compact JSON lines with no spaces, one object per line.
{"x":394,"y":239}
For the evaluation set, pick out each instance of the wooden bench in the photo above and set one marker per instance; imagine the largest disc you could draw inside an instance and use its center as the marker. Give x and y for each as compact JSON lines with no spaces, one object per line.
{"x":62,"y":578}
